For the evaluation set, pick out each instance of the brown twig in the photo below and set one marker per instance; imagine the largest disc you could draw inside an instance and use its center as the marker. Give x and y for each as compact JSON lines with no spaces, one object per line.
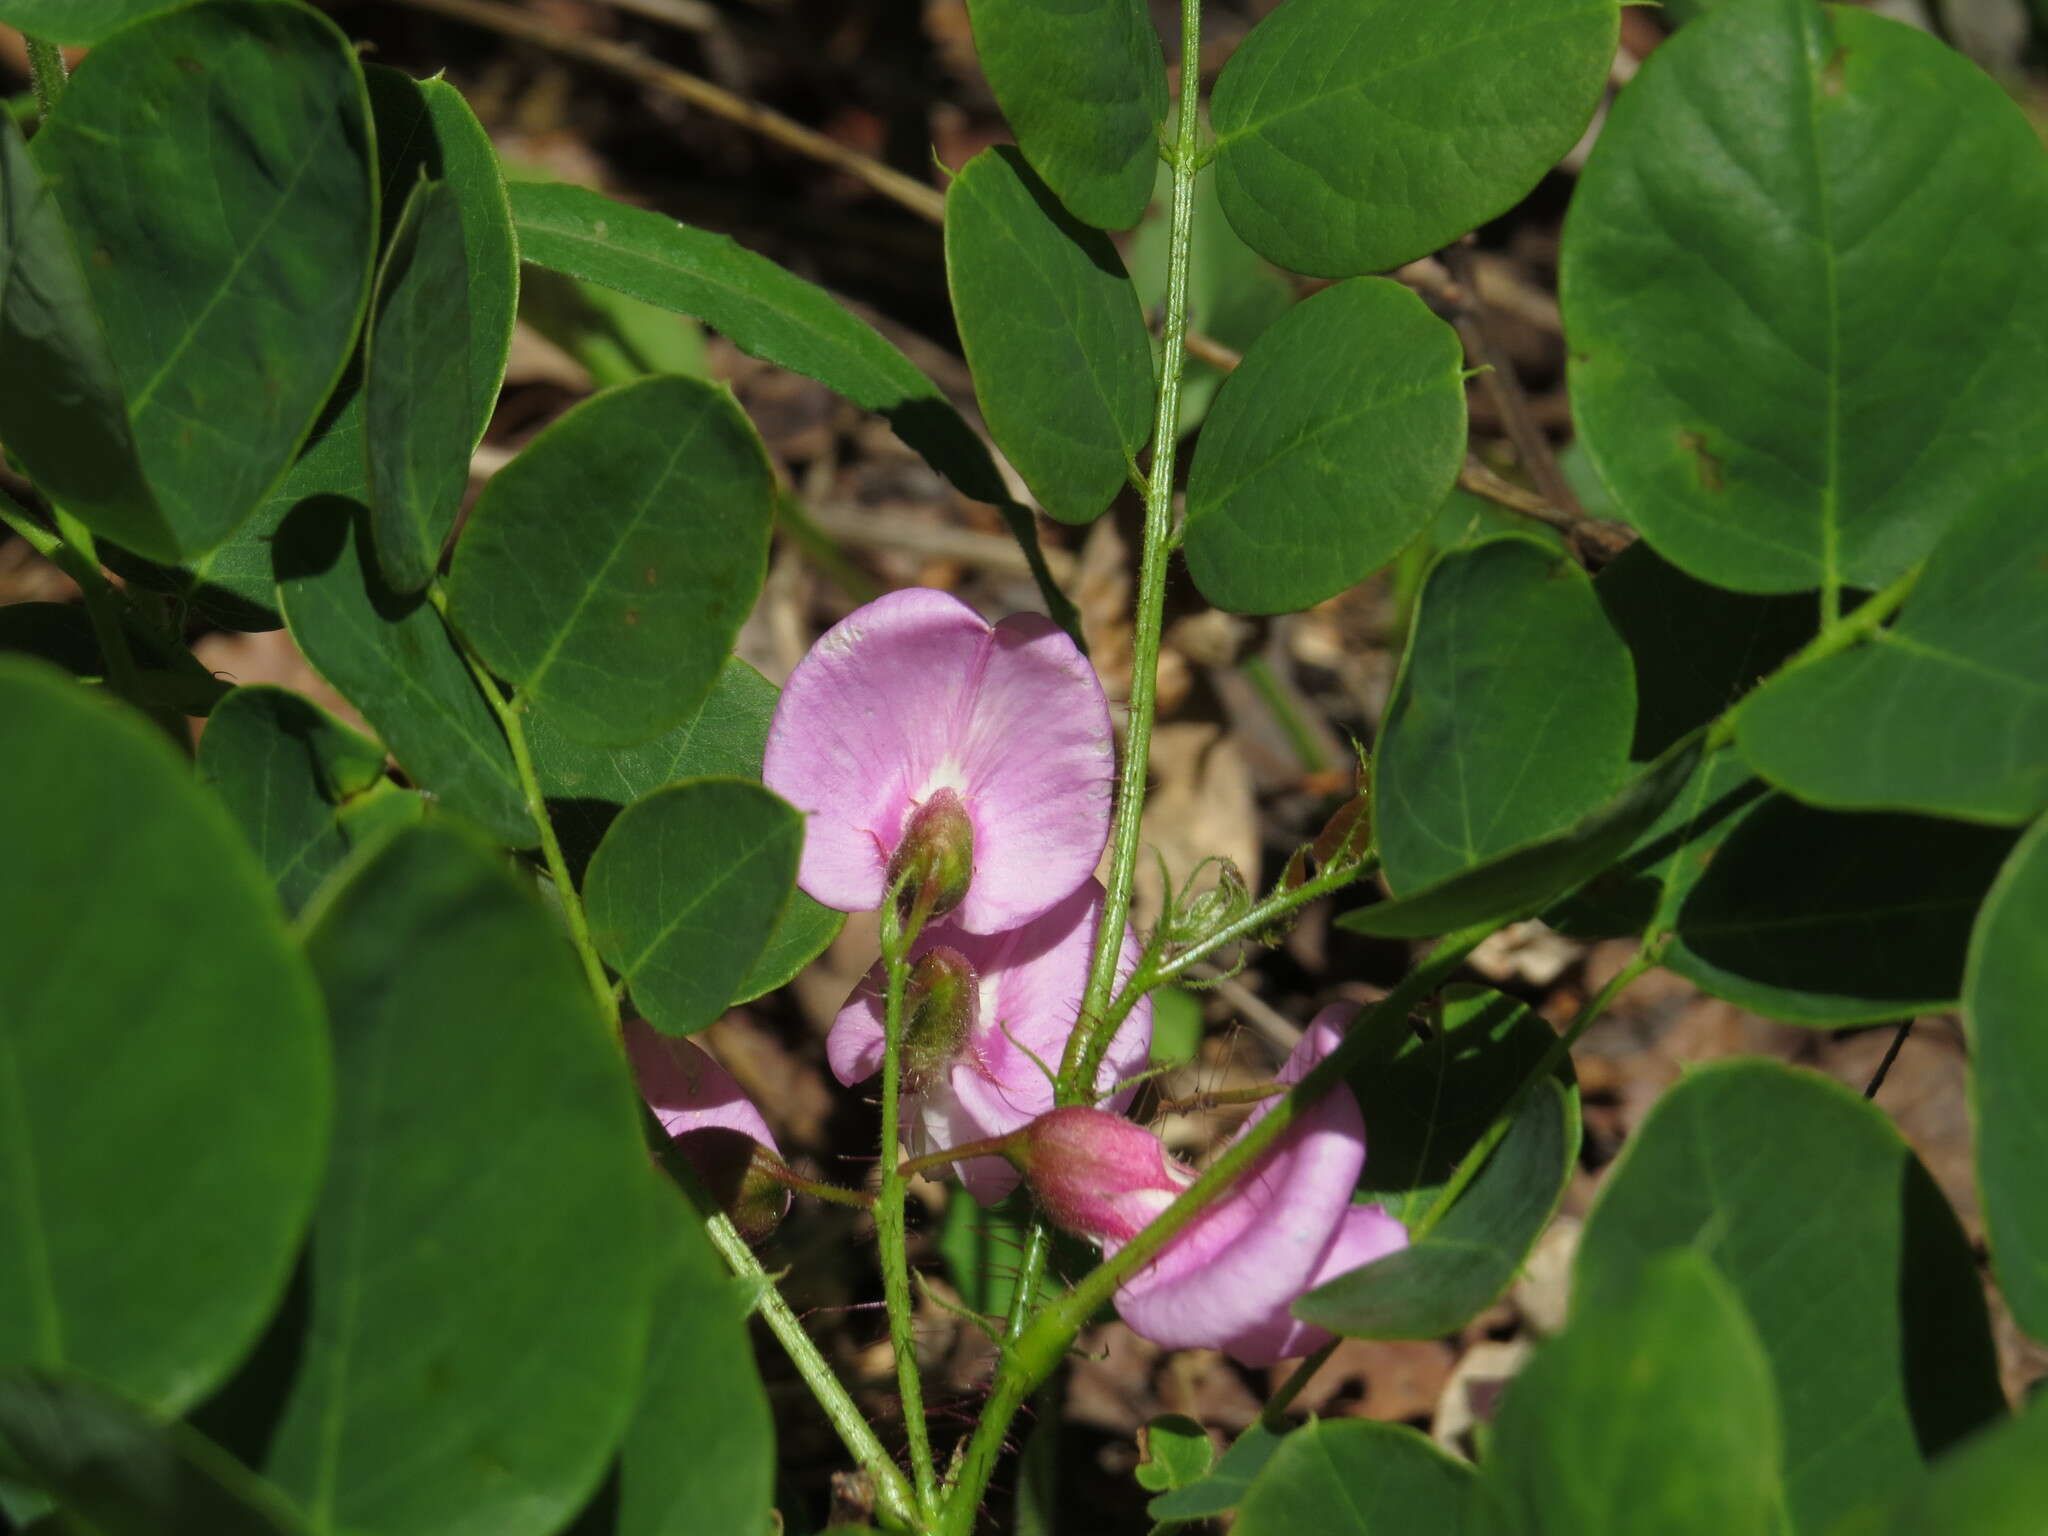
{"x":927,"y":202}
{"x":1597,"y":534}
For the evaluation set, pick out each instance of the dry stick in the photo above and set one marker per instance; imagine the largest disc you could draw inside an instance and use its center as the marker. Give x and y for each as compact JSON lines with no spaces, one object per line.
{"x":621,"y":59}
{"x":1891,"y":1054}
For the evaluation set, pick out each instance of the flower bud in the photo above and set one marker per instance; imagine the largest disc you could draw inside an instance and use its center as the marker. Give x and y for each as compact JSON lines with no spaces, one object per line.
{"x":1193,"y":919}
{"x":747,"y":1180}
{"x":1096,"y":1173}
{"x":934,"y":858}
{"x":1346,"y":835}
{"x":941,"y":1006}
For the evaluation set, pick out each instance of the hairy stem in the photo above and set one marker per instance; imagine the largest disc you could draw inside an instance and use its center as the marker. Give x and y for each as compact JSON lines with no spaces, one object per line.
{"x":47,"y":72}
{"x":1090,"y":1036}
{"x":1045,"y":1341}
{"x":889,"y":1219}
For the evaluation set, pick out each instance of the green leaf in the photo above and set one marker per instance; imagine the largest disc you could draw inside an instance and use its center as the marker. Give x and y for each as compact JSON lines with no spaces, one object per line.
{"x":1946,"y":711}
{"x":1697,"y":648}
{"x":1820,"y":917}
{"x":423,"y":127}
{"x":606,"y":571}
{"x":481,"y":1265}
{"x":1837,"y":1243}
{"x":1803,"y":287}
{"x":59,"y":633}
{"x":587,"y":787}
{"x":304,"y":788}
{"x":773,"y":315}
{"x":1329,"y":448}
{"x":1176,"y":1027}
{"x":1524,"y":880}
{"x":1083,"y":83}
{"x":1223,"y":1489}
{"x":227,"y":231}
{"x":699,"y":1454}
{"x":1994,"y":1484}
{"x":1234,"y":294}
{"x":1354,"y":1477}
{"x":618,"y":339}
{"x":416,"y":393}
{"x":107,"y":1462}
{"x":2003,"y":985}
{"x":392,"y":658}
{"x":1461,"y":1266}
{"x":684,"y":891}
{"x":1355,"y":135}
{"x":61,"y":407}
{"x":75,"y":23}
{"x":1655,"y":1413}
{"x":1482,"y":751}
{"x":1176,"y":1451}
{"x":1050,"y":324}
{"x":162,"y":1063}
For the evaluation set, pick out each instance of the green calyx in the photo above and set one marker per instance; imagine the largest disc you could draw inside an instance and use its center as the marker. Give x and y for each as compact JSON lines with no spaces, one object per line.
{"x":941,"y":1005}
{"x":934,"y":862}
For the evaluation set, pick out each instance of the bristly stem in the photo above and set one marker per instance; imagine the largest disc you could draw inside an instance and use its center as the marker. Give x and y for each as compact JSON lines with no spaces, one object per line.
{"x":1076,"y":1079}
{"x":890,"y":1235}
{"x":47,"y":72}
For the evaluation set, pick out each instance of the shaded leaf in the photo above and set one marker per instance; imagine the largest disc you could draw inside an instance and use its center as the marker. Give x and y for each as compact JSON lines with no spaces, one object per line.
{"x":1527,"y":879}
{"x":1328,"y":449}
{"x":1820,"y":917}
{"x":1803,"y":224}
{"x":228,"y":237}
{"x":1050,"y":324}
{"x":392,"y":658}
{"x":684,"y":891}
{"x":2003,"y":988}
{"x":416,"y":391}
{"x":1355,"y":135}
{"x":1084,"y":87}
{"x":1177,"y":1452}
{"x":1840,"y":1248}
{"x":1482,"y":751}
{"x":1354,"y":1477}
{"x":1993,"y":1484}
{"x":1224,"y":1488}
{"x":480,"y":1272}
{"x":304,"y":788}
{"x":59,"y":633}
{"x":1657,"y":1412}
{"x":617,"y":338}
{"x":61,"y":404}
{"x":588,"y":786}
{"x":108,"y":1462}
{"x":166,"y":1082}
{"x":1945,"y":711}
{"x":606,"y":570}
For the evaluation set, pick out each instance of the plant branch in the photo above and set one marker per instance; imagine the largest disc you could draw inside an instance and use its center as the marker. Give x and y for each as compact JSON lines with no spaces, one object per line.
{"x":509,"y":713}
{"x":1039,"y":1350}
{"x":1246,"y":928}
{"x":1092,"y":1029}
{"x":889,"y":1218}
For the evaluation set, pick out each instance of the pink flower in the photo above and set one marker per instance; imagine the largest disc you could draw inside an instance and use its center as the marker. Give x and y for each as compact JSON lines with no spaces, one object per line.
{"x":1025,"y":998}
{"x":915,"y":695}
{"x":713,"y":1124}
{"x":1227,"y":1279}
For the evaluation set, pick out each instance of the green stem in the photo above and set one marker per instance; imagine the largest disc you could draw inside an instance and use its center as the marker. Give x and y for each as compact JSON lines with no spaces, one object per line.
{"x":47,"y":72}
{"x":1837,"y":637}
{"x":890,"y":1235}
{"x":1266,"y":913}
{"x":892,"y":1493}
{"x":510,"y":714}
{"x":1552,"y":1058}
{"x":1077,"y":1065}
{"x":1045,"y":1341}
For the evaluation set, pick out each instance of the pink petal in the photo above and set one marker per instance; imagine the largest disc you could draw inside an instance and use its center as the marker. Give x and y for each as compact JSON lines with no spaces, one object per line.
{"x":1364,"y":1233}
{"x":1243,"y":1261}
{"x":914,"y":693}
{"x":687,"y":1089}
{"x":866,"y":720}
{"x":856,"y":1042}
{"x":1040,"y":766}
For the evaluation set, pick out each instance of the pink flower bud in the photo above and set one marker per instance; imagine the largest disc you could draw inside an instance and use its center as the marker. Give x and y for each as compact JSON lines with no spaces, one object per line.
{"x":1097,"y":1174}
{"x":914,"y":696}
{"x":940,"y":1007}
{"x":935,"y":859}
{"x":1026,"y":995}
